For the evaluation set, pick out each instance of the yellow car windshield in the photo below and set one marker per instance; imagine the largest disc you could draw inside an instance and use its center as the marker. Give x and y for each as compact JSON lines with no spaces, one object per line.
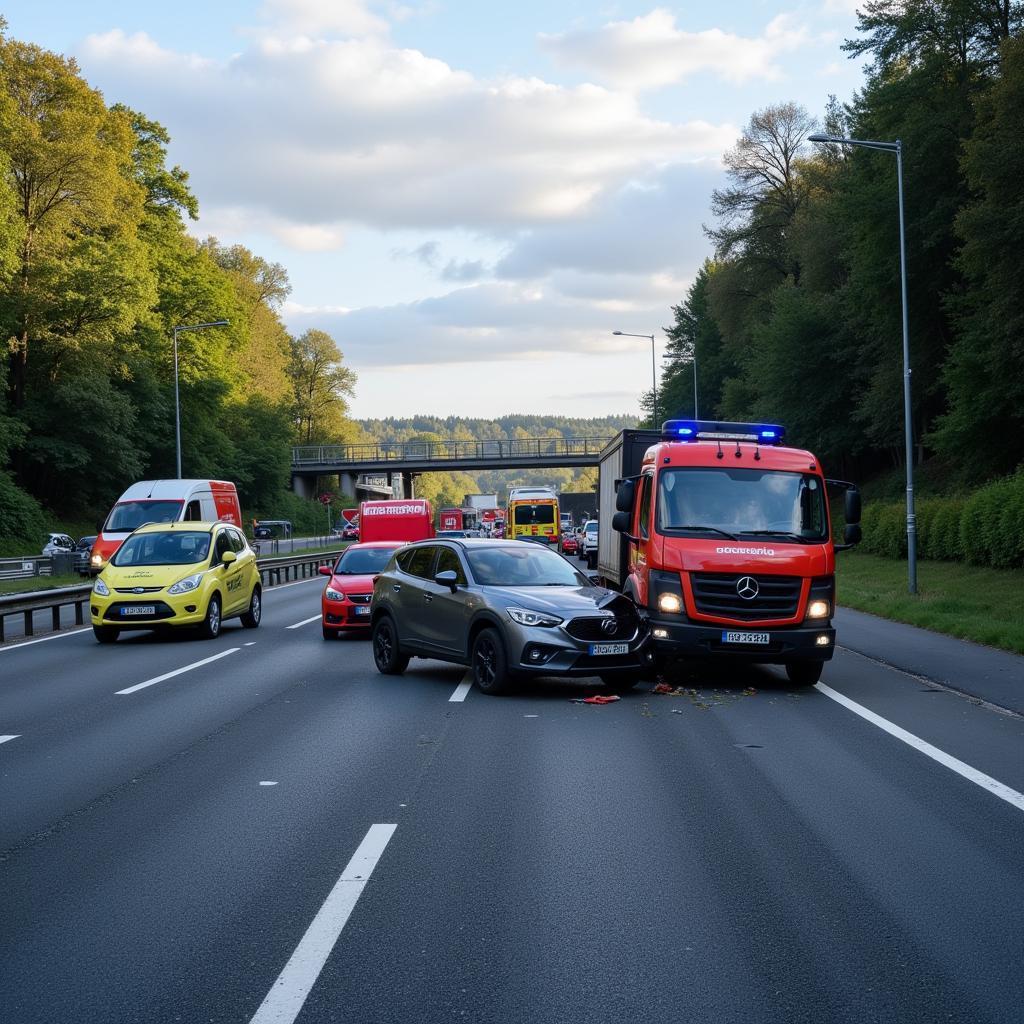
{"x":178,"y":548}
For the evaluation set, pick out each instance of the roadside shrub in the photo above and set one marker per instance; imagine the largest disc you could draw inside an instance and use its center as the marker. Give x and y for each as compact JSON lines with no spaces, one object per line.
{"x":22,"y":520}
{"x":942,"y":528}
{"x":992,"y":526}
{"x":884,"y":529}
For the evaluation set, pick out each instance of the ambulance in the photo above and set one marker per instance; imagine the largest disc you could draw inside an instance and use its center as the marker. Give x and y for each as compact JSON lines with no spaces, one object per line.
{"x":164,"y":501}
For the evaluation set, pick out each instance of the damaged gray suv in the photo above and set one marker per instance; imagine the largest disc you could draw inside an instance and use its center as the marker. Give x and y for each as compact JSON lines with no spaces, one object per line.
{"x":507,"y":610}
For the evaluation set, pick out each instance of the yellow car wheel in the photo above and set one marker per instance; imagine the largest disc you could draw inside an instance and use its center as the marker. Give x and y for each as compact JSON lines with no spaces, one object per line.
{"x":210,"y":629}
{"x":251,"y":618}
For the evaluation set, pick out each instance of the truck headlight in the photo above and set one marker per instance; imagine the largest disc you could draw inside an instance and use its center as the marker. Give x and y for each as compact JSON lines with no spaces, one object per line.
{"x":528,"y":617}
{"x":187,"y":585}
{"x":101,"y":588}
{"x":669,"y":602}
{"x":818,"y":610}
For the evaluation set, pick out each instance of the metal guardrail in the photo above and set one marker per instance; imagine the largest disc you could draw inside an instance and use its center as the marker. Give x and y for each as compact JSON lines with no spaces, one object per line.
{"x":528,"y":447}
{"x":24,"y":567}
{"x":273,"y":571}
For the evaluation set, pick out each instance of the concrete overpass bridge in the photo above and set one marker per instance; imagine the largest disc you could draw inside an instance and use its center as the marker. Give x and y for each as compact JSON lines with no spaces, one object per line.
{"x":400,"y":462}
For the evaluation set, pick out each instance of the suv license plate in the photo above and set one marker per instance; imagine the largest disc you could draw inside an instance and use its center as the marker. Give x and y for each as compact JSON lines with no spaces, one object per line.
{"x":138,"y":609}
{"x":745,"y":638}
{"x":608,"y":649}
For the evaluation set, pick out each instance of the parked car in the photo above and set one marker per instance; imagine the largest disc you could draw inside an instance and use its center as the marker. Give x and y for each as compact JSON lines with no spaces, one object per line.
{"x":505,"y":609}
{"x":345,"y":605}
{"x":58,"y":544}
{"x":177,"y":574}
{"x":263,"y":533}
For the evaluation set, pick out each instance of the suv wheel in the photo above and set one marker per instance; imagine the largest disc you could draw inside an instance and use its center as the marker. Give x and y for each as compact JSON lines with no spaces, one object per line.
{"x":387,"y":655}
{"x":489,"y":664}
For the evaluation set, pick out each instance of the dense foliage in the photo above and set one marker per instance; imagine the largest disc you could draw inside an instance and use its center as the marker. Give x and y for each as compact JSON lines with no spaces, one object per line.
{"x":96,"y":268}
{"x":797,"y":317}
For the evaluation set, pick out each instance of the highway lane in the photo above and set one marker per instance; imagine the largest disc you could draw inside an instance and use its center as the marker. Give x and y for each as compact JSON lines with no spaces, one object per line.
{"x":725,"y":855}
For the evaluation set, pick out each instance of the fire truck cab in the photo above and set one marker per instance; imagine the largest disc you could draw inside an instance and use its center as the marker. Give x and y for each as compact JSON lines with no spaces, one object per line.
{"x":730,"y":550}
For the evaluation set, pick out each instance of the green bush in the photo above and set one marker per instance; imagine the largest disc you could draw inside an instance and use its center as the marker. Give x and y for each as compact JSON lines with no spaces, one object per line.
{"x":986,"y":528}
{"x":22,"y":520}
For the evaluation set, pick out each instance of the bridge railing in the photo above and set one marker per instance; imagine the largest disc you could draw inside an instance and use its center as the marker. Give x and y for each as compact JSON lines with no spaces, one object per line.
{"x":402,"y":451}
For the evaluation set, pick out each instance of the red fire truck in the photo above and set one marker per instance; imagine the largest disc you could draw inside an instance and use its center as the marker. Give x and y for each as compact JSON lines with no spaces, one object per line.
{"x":722,"y":536}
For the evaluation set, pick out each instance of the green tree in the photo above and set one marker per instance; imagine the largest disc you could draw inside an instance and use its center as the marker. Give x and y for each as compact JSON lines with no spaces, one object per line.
{"x":321,"y":386}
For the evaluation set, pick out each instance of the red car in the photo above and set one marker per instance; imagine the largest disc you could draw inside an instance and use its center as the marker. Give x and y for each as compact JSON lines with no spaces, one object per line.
{"x":570,"y":545}
{"x":346,"y":600}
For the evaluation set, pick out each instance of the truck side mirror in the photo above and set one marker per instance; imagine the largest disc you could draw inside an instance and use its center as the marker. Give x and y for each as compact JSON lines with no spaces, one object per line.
{"x":851,"y":507}
{"x":624,"y":497}
{"x":620,"y":522}
{"x":852,"y":534}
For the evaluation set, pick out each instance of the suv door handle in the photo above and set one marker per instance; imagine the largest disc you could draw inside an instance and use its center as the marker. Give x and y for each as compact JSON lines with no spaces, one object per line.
{"x":396,"y":587}
{"x":428,"y":597}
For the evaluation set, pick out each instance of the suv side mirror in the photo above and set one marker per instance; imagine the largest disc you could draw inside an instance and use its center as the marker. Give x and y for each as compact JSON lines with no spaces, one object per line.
{"x":448,"y":579}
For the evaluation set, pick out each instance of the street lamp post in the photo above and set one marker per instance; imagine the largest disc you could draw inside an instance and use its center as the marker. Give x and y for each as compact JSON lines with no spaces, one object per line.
{"x":654,"y":371}
{"x":670,"y":356}
{"x":177,"y":404}
{"x":908,"y":429}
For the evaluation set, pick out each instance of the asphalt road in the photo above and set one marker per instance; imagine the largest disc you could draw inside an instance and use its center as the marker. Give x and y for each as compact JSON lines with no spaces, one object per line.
{"x":212,"y":843}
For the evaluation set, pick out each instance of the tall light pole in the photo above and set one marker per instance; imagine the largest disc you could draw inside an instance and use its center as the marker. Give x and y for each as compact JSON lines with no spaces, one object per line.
{"x":177,"y":404}
{"x":672,"y":357}
{"x":908,"y":427}
{"x":654,"y":371}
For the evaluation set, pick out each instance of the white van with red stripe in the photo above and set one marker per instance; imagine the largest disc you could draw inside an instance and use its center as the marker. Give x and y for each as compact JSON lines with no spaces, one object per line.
{"x":164,"y":501}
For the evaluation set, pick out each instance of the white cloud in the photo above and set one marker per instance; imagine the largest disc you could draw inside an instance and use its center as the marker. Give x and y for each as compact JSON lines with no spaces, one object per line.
{"x":650,"y":51}
{"x":357,"y":131}
{"x":324,"y":17}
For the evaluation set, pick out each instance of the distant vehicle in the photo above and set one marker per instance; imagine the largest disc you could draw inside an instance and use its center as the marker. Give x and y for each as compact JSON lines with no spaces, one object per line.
{"x":570,"y":545}
{"x":82,"y":550}
{"x":57,"y":544}
{"x":452,"y":533}
{"x":165,"y":501}
{"x":345,"y":604}
{"x":175,"y":575}
{"x":588,"y":543}
{"x":350,"y":532}
{"x":450,"y":519}
{"x":506,"y":610}
{"x":532,"y":512}
{"x":267,"y":529}
{"x":406,"y":520}
{"x":565,"y":521}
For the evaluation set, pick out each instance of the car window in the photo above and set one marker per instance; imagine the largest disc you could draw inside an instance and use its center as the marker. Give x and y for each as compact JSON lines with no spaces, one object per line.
{"x":417,"y":561}
{"x":448,"y":560}
{"x":645,"y":507}
{"x":222,"y":545}
{"x":237,"y":541}
{"x":176,"y":548}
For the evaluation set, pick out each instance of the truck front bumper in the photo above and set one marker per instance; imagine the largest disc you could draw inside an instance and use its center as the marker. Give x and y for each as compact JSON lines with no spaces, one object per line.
{"x":674,"y":639}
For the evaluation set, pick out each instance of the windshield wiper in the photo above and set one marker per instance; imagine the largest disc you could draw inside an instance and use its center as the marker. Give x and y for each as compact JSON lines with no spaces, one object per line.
{"x":795,"y":537}
{"x":706,"y":529}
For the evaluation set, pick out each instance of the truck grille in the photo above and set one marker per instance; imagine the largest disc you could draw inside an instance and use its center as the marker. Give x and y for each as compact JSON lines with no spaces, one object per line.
{"x":778,"y":597}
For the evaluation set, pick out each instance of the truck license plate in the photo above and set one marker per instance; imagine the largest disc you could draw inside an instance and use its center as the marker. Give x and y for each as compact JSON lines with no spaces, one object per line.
{"x":744,"y":638}
{"x":608,"y":649}
{"x":138,"y":609}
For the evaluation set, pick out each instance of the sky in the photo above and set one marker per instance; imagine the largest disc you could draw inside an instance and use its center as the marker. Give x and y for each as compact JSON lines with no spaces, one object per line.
{"x":470,"y":196}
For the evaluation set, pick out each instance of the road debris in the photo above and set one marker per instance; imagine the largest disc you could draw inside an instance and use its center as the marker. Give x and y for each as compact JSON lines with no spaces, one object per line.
{"x":598,"y":698}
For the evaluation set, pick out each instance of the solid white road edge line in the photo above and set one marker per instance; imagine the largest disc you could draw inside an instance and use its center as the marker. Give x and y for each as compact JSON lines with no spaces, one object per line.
{"x":43,"y":639}
{"x":4,"y":739}
{"x":304,"y":622}
{"x":294,"y":983}
{"x":177,"y":672}
{"x":994,"y":786}
{"x":462,"y":690}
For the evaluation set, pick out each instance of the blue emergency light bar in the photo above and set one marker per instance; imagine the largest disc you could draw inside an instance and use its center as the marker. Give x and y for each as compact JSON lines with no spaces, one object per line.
{"x":709,"y":430}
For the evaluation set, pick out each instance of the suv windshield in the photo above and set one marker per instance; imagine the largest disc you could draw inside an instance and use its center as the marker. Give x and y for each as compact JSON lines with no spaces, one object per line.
{"x":178,"y":548}
{"x":363,"y":561}
{"x":526,"y":566}
{"x":130,"y":515}
{"x":742,"y":502}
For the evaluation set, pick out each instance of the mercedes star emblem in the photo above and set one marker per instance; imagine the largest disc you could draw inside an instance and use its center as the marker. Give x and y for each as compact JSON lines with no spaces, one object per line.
{"x":747,"y":588}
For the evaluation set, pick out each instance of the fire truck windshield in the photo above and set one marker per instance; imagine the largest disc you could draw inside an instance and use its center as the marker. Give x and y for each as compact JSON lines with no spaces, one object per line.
{"x":742,"y":502}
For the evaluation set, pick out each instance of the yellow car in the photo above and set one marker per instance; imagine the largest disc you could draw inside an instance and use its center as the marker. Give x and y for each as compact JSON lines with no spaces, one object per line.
{"x":177,"y":574}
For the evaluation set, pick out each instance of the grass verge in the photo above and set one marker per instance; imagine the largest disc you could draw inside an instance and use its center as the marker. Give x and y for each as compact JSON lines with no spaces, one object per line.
{"x":41,"y":583}
{"x":965,"y":601}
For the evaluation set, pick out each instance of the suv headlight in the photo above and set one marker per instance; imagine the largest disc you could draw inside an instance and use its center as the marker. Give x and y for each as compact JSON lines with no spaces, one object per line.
{"x":101,"y":588}
{"x":333,"y":595}
{"x":528,"y":617}
{"x":187,"y":585}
